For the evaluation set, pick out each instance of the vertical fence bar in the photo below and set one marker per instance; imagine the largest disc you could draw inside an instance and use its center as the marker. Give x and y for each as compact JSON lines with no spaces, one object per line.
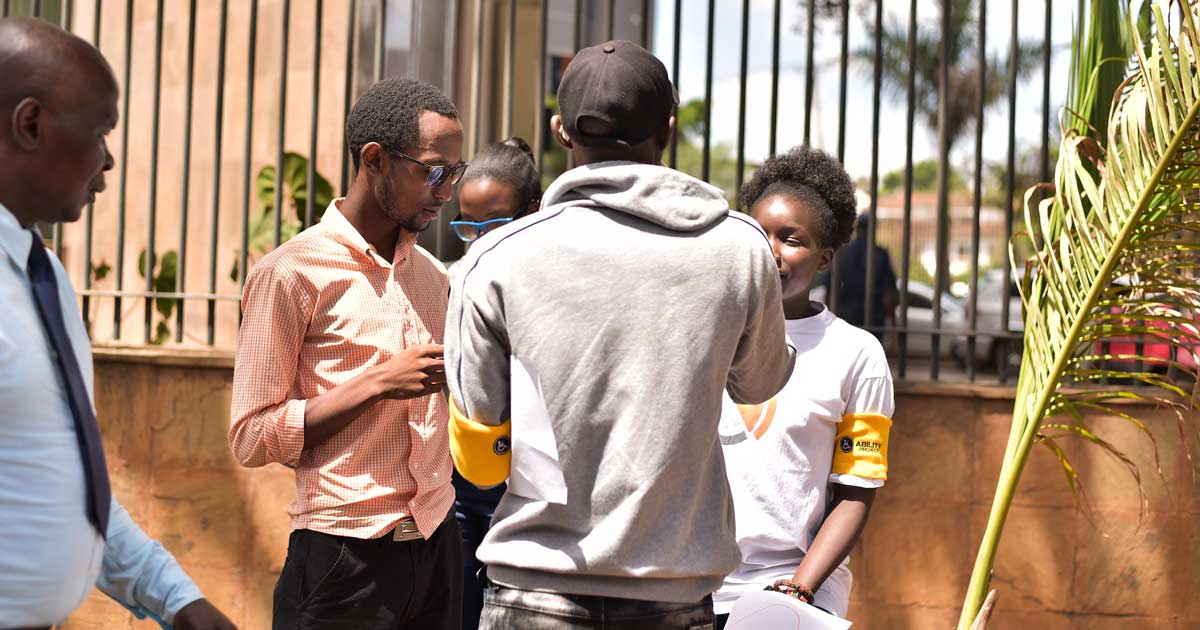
{"x":708,"y":91}
{"x":282,"y":122}
{"x":676,"y":46}
{"x":151,"y":259}
{"x":777,"y":31}
{"x":809,"y":69}
{"x":539,"y":104}
{"x":646,"y":25}
{"x":876,"y":99}
{"x":477,"y":80}
{"x":247,"y":164}
{"x":37,"y":8}
{"x":89,"y":217}
{"x":57,"y":228}
{"x":1010,"y":193}
{"x":744,"y":70}
{"x":611,"y":23}
{"x":578,"y":25}
{"x":4,"y":8}
{"x":943,"y":200}
{"x":1045,"y":163}
{"x":510,"y":62}
{"x":831,"y":296}
{"x":843,"y":80}
{"x":122,"y":177}
{"x":311,"y":176}
{"x":906,"y":235}
{"x":1045,"y":158}
{"x":218,"y":129}
{"x":380,"y":36}
{"x":348,"y":89}
{"x":67,"y":14}
{"x":981,"y":62}
{"x":185,"y":184}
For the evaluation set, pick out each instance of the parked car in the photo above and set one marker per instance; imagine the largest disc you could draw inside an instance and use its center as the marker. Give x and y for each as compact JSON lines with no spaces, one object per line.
{"x":993,"y":350}
{"x":1160,"y":354}
{"x":920,"y":302}
{"x":920,"y":321}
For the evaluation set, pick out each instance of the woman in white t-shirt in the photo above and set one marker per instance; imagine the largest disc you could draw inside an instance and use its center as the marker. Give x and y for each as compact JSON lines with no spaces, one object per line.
{"x":804,"y":466}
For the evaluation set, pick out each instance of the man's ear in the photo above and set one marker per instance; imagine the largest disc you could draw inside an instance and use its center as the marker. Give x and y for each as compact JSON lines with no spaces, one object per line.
{"x":826,"y":259}
{"x":27,"y":123}
{"x":663,"y":137}
{"x":371,"y":158}
{"x":560,"y":132}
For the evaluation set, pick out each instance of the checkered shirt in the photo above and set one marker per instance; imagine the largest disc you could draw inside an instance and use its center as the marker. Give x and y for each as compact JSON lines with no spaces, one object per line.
{"x":318,"y":311}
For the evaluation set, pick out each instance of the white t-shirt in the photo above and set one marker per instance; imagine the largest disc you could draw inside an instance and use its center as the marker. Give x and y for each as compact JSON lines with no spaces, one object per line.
{"x":778,"y":455}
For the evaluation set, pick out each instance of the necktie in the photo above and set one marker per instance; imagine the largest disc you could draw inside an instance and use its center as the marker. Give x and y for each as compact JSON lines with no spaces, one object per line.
{"x":45,"y":292}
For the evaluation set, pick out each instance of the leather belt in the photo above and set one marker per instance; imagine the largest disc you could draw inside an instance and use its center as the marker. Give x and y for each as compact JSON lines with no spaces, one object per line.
{"x":406,"y":530}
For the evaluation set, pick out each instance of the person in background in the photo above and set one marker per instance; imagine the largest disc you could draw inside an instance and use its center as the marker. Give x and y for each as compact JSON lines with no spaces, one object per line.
{"x":852,"y":282}
{"x":804,"y":467}
{"x":62,"y":532}
{"x":502,"y":185}
{"x":606,"y":327}
{"x":338,"y":374}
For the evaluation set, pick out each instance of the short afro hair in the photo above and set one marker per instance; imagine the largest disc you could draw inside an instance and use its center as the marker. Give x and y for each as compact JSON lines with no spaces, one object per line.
{"x":814,"y":177}
{"x":389,"y":112}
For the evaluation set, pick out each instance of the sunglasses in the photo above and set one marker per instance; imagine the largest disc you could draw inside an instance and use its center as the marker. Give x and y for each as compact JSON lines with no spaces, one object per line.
{"x":467,"y":231}
{"x":437,"y":175}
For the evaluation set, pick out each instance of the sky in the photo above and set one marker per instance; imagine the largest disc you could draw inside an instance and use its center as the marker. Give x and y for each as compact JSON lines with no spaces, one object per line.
{"x":726,"y":79}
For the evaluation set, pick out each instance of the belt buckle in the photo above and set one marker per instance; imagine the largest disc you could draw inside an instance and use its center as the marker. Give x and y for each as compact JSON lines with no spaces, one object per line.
{"x":406,"y":530}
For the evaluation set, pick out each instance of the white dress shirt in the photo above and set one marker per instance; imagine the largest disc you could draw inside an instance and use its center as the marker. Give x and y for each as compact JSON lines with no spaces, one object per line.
{"x":50,"y":553}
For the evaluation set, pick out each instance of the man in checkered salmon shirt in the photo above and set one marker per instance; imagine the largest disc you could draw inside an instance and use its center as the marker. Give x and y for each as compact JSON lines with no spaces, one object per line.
{"x":339,"y":376}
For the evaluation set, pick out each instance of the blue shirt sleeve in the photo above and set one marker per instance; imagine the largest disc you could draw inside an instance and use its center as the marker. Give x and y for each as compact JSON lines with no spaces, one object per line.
{"x":142,"y":575}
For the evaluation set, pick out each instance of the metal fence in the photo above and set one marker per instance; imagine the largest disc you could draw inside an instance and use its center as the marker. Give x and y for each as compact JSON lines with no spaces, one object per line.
{"x":232,"y":115}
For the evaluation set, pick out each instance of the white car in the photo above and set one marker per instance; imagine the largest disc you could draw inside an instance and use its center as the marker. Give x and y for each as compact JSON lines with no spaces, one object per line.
{"x":992,"y":350}
{"x":920,"y":321}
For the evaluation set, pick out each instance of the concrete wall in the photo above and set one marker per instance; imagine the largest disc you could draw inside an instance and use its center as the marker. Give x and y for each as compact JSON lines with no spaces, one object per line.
{"x":164,"y":420}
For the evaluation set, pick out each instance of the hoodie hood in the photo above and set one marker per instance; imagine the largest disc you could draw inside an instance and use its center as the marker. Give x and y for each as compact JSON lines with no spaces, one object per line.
{"x":657,"y":194}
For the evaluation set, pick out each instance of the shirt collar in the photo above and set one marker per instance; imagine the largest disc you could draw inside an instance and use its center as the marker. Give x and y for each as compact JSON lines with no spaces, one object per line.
{"x":336,"y":223}
{"x":15,"y":240}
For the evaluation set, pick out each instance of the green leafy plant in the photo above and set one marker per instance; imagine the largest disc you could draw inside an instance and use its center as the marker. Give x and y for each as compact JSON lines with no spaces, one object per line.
{"x":261,"y":235}
{"x":164,"y":278}
{"x":1115,"y":256}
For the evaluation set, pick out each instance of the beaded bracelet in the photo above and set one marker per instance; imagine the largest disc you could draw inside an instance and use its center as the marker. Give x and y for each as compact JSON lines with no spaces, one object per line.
{"x":792,"y":589}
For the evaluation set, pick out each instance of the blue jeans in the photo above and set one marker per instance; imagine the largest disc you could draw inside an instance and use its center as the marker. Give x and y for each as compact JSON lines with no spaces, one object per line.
{"x":529,"y":610}
{"x":473,"y":508}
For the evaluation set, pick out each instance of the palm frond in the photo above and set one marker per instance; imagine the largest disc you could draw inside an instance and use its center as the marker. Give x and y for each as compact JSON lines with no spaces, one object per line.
{"x":1115,"y":260}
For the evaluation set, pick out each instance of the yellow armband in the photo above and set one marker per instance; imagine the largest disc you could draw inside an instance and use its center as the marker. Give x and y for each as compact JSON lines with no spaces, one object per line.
{"x":482,"y":452}
{"x":861,"y":447}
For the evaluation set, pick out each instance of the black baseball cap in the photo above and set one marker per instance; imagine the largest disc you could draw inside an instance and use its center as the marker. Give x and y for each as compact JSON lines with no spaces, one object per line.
{"x":620,"y":90}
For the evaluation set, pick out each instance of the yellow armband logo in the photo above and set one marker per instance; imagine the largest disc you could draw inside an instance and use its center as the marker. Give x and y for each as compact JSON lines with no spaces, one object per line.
{"x":861,"y":448}
{"x":482,"y":452}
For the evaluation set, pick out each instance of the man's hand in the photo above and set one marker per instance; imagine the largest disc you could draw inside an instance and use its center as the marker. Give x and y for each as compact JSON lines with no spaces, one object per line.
{"x":417,"y":371}
{"x":201,"y":615}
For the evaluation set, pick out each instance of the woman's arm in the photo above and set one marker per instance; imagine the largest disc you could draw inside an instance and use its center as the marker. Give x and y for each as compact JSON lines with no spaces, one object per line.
{"x":838,"y":534}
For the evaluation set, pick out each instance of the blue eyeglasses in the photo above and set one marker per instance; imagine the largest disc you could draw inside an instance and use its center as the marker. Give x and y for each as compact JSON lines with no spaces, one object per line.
{"x":467,"y":231}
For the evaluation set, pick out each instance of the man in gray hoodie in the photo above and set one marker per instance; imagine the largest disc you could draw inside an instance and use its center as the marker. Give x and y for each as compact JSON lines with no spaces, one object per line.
{"x":587,"y":348}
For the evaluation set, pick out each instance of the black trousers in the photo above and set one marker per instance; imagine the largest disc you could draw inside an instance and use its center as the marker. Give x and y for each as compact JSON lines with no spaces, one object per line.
{"x":338,"y":583}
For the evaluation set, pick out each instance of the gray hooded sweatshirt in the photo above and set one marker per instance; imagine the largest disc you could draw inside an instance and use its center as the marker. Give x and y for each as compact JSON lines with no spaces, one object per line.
{"x":607,"y":327}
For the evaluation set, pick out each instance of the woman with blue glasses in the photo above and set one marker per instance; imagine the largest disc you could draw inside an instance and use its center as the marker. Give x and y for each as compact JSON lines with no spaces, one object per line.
{"x":501,"y":185}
